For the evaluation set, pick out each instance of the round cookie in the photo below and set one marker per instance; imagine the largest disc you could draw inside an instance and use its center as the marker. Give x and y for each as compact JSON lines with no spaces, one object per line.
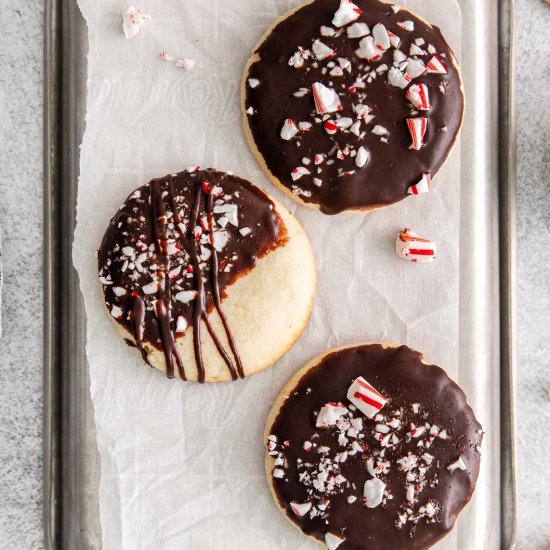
{"x":369,"y":447}
{"x":335,"y":92}
{"x":257,"y":283}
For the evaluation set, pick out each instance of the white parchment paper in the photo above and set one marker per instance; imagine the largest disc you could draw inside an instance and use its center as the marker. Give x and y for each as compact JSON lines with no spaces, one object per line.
{"x":182,"y":464}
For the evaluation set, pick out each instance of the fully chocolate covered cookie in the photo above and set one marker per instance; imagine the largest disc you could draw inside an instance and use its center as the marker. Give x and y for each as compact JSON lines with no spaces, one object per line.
{"x":370,"y":448}
{"x":352,"y":106}
{"x":209,"y":277}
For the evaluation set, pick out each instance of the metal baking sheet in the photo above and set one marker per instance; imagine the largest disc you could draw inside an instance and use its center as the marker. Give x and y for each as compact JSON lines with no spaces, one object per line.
{"x":487,"y":302}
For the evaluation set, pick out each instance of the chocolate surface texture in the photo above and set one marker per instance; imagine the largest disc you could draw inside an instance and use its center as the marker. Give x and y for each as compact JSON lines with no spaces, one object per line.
{"x":173,"y":248}
{"x":358,"y":156}
{"x":423,"y":445}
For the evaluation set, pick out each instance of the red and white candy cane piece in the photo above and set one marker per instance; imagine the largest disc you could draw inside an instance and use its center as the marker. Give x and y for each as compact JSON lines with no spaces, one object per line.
{"x":289,"y":129}
{"x":435,"y":66}
{"x":417,"y":128}
{"x":381,"y":37}
{"x":300,"y":508}
{"x":326,"y":99}
{"x":365,"y":397}
{"x":322,"y":51}
{"x":329,"y":414}
{"x":458,"y":464}
{"x":330,"y":127}
{"x":406,"y":25}
{"x":423,"y":186}
{"x":132,"y":20}
{"x":418,"y":95}
{"x":181,"y":325}
{"x":409,"y":246}
{"x":346,"y":13}
{"x":368,"y":50}
{"x":398,"y":79}
{"x":333,"y":541}
{"x":298,"y":172}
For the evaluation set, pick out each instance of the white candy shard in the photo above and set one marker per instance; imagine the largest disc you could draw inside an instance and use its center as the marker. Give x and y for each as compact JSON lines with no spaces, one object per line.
{"x":132,"y":20}
{"x":116,"y":312}
{"x":333,"y":541}
{"x":397,"y":79}
{"x":289,"y":129}
{"x":329,"y":414}
{"x":185,"y":296}
{"x":415,"y":68}
{"x":358,"y":30}
{"x":417,"y":128}
{"x":300,"y":509}
{"x":373,"y":492}
{"x":395,"y":41}
{"x":457,"y":465}
{"x":244,"y":231}
{"x":326,"y":99}
{"x":278,"y":473}
{"x":368,"y":50}
{"x":181,"y":325}
{"x":419,"y":97}
{"x":409,"y":246}
{"x":346,"y":13}
{"x":327,"y":31}
{"x":381,"y":37}
{"x":362,"y":157}
{"x":406,"y":25}
{"x":365,"y":397}
{"x":119,"y":291}
{"x":379,"y":130}
{"x":253,"y":82}
{"x":423,"y":186}
{"x":322,"y":51}
{"x":344,"y":122}
{"x":435,"y":66}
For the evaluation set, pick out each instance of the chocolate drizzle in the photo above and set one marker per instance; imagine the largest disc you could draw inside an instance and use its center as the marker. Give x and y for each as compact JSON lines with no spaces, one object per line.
{"x":401,"y":376}
{"x":392,"y":166}
{"x":172,"y":249}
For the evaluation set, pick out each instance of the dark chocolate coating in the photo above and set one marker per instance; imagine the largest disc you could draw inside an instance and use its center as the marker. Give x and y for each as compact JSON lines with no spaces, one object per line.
{"x":392,"y":166}
{"x":159,"y":221}
{"x":400,"y":375}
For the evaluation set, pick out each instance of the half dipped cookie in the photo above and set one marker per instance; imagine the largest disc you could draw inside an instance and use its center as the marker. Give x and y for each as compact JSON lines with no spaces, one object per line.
{"x":352,"y":105}
{"x":370,"y":448}
{"x":206,"y":275}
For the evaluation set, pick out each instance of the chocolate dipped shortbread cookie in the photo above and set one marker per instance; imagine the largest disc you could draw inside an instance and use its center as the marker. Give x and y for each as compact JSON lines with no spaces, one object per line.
{"x":209,"y":277}
{"x":352,"y":106}
{"x":370,"y":448}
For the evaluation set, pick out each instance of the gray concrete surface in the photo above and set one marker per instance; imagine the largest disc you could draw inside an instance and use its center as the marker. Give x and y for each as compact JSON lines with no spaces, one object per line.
{"x":21,"y":227}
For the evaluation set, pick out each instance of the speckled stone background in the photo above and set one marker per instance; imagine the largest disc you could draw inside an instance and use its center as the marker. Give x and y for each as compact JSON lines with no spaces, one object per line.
{"x":21,"y":230}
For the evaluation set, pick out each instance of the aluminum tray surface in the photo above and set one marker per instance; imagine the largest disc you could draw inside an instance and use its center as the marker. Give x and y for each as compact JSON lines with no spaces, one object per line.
{"x":71,"y":461}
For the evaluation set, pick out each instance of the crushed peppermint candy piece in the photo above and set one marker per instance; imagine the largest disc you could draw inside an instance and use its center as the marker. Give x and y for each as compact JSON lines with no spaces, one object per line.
{"x":322,"y":51}
{"x":358,"y":30}
{"x":180,"y":62}
{"x":406,"y":25}
{"x":289,"y":130}
{"x":423,"y":186}
{"x":417,"y":94}
{"x":368,"y":50}
{"x":326,"y":99}
{"x":116,"y":312}
{"x":458,"y":464}
{"x":395,"y":41}
{"x":373,"y":492}
{"x":362,"y":157}
{"x":330,"y":127}
{"x":298,"y":172}
{"x":379,"y":130}
{"x":329,"y":414}
{"x":253,"y":82}
{"x":244,"y":231}
{"x":416,"y":50}
{"x":333,"y":541}
{"x":409,"y":246}
{"x":435,"y":66}
{"x":415,"y":68}
{"x":327,"y":31}
{"x":417,"y":128}
{"x":346,"y":13}
{"x":181,"y":325}
{"x":278,"y":473}
{"x":398,"y":79}
{"x":381,"y":37}
{"x":365,"y":397}
{"x":185,"y":296}
{"x":300,"y":509}
{"x":132,"y":20}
